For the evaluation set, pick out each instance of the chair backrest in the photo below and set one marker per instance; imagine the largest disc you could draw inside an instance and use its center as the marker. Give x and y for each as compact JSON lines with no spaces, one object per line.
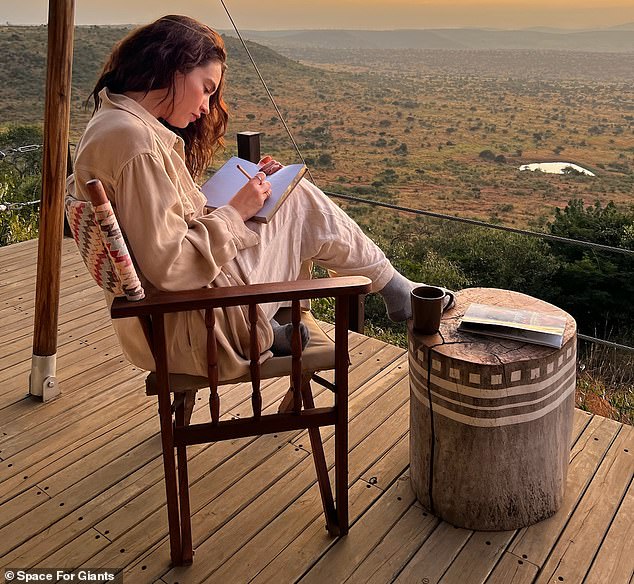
{"x":101,"y":244}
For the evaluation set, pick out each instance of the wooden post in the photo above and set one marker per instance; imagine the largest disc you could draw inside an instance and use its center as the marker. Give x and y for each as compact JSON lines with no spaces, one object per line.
{"x":43,"y":383}
{"x":357,"y":313}
{"x":249,"y":146}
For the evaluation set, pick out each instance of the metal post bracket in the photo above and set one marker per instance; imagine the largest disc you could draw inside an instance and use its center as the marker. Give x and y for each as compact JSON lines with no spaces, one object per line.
{"x":42,"y":380}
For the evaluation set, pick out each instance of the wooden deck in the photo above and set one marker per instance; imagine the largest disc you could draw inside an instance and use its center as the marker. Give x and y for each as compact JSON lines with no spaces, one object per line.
{"x":81,"y":477}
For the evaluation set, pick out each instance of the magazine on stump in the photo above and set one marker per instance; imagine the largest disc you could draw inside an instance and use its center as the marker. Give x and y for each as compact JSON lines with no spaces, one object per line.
{"x":514,"y":323}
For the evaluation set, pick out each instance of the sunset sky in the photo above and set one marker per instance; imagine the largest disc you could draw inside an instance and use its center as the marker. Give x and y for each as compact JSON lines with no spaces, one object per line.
{"x":370,"y":14}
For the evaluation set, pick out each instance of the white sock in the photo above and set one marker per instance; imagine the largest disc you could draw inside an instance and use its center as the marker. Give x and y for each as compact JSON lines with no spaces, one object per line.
{"x":396,"y":295}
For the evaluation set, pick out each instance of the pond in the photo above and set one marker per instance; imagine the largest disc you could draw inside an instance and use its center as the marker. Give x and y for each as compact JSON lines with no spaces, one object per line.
{"x":557,"y":168}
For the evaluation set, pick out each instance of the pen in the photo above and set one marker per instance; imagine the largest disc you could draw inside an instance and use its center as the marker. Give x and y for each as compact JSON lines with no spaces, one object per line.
{"x":244,"y":172}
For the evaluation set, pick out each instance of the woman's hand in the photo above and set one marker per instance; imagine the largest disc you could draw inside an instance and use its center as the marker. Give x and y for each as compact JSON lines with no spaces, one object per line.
{"x":269,"y":166}
{"x":252,"y":196}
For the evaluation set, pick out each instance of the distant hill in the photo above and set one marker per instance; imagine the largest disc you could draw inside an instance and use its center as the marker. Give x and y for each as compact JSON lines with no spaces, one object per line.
{"x":23,"y":68}
{"x":618,"y":39}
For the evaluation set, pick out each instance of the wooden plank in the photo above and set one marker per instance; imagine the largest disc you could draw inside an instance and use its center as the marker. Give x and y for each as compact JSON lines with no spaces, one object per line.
{"x":67,"y":558}
{"x":395,"y":550}
{"x":12,"y":256}
{"x":69,"y":356}
{"x":478,"y":557}
{"x":109,"y":453}
{"x":66,"y":351}
{"x":266,"y":509}
{"x":391,"y":432}
{"x":340,"y":561}
{"x":435,"y":555}
{"x":72,"y":296}
{"x":311,"y":543}
{"x":69,"y":320}
{"x":580,"y":423}
{"x":535,"y":542}
{"x":77,"y":388}
{"x":101,"y":370}
{"x":21,"y":503}
{"x":19,"y":295}
{"x":385,"y":471}
{"x":21,"y":299}
{"x":21,"y":349}
{"x":138,"y":534}
{"x":614,"y":561}
{"x":65,"y":503}
{"x":88,"y":360}
{"x":39,"y":470}
{"x":212,"y":472}
{"x":29,"y":245}
{"x":82,"y":418}
{"x":371,"y":350}
{"x":570,"y":559}
{"x":67,"y":529}
{"x":304,"y":511}
{"x":513,"y":570}
{"x":20,"y":277}
{"x":214,"y":513}
{"x":128,"y":415}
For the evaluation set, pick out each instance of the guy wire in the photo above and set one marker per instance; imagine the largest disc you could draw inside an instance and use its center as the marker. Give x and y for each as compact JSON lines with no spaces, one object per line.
{"x":277,"y":109}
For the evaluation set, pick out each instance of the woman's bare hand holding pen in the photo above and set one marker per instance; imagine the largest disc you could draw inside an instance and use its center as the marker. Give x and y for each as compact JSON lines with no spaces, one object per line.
{"x":252,"y":196}
{"x":269,"y":166}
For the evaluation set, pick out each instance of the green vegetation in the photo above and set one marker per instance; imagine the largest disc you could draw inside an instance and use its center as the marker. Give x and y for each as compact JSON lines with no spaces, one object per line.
{"x":20,"y":182}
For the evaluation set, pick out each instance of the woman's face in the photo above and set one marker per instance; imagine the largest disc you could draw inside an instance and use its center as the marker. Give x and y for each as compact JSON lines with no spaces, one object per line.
{"x":192,"y":93}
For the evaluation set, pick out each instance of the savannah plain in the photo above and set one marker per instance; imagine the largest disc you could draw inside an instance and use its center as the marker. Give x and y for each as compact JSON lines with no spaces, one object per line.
{"x":402,"y":126}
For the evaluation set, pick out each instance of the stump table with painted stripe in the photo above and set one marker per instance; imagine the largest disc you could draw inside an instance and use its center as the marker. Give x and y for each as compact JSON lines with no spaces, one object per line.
{"x":490,"y":419}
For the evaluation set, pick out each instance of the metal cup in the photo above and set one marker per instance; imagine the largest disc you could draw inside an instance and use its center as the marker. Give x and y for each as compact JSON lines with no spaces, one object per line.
{"x":427,"y":306}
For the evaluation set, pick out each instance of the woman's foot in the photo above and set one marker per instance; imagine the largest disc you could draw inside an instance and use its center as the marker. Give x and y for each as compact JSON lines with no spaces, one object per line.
{"x":396,"y":295}
{"x":282,"y":337}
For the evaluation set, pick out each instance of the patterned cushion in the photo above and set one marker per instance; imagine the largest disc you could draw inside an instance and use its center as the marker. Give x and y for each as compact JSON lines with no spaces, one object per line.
{"x":102,"y":247}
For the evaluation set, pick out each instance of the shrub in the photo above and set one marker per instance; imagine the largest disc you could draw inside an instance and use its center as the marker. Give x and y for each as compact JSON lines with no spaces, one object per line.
{"x":487,"y":155}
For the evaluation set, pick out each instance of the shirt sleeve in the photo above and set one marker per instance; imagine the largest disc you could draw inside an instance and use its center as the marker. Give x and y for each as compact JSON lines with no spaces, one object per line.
{"x":172,"y":253}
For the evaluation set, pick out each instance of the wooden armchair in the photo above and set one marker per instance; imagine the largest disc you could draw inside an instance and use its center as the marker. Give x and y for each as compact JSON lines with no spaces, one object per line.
{"x":297,"y":410}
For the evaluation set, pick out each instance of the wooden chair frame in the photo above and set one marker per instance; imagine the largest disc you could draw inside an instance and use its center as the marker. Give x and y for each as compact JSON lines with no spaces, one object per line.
{"x":103,"y":248}
{"x":177,"y":433}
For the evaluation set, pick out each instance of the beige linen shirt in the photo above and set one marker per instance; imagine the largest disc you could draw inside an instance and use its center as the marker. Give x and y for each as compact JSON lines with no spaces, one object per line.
{"x":177,"y":243}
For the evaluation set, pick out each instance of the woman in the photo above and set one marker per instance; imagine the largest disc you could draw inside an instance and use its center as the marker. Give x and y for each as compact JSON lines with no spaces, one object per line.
{"x":159,"y":117}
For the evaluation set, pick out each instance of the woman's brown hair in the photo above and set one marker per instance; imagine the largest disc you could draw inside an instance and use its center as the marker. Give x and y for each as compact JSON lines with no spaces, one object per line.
{"x":150,"y":56}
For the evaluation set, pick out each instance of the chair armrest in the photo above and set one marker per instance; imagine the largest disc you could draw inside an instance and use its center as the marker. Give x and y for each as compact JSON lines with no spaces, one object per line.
{"x":158,"y":302}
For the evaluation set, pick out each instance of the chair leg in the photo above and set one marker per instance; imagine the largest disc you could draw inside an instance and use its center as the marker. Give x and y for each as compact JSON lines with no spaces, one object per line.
{"x":286,"y":405}
{"x":341,"y":477}
{"x":319,"y":458}
{"x":171,"y":490}
{"x":182,"y":416}
{"x":190,"y":402}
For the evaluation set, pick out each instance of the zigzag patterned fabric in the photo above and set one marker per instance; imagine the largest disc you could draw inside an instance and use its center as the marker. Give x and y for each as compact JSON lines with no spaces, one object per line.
{"x":102,"y":247}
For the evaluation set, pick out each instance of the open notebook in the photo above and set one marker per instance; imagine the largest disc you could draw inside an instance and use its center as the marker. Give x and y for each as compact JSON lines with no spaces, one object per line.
{"x":228,"y":180}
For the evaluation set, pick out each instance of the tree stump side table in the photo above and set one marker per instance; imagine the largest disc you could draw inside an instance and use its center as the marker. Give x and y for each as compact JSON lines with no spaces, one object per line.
{"x":490,"y":419}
